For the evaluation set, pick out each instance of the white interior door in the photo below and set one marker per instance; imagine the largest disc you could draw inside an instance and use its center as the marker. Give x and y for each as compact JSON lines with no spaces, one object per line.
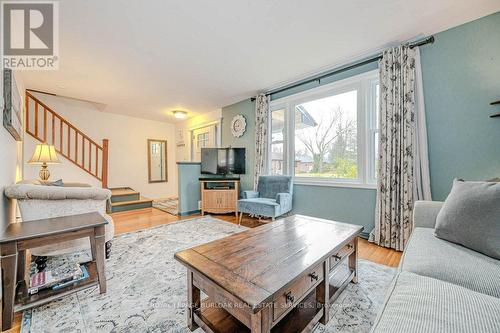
{"x":204,"y":137}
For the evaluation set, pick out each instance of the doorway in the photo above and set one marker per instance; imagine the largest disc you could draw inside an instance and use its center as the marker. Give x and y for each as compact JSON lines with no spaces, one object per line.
{"x":203,"y":137}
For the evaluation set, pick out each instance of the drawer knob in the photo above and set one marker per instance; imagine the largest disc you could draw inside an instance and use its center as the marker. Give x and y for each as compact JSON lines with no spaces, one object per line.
{"x":289,"y":298}
{"x":337,"y":257}
{"x":314,"y":276}
{"x":350,"y":246}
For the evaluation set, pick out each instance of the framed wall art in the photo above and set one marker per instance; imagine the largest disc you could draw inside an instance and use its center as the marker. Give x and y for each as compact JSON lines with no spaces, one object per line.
{"x":13,"y":107}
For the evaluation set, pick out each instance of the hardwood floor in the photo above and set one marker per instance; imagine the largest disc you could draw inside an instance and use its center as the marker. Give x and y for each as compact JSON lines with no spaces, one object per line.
{"x":146,"y":218}
{"x":131,"y":221}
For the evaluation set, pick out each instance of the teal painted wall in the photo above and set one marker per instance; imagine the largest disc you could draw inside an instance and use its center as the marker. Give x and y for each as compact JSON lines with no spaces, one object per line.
{"x":247,"y":140}
{"x":352,"y":205}
{"x":188,"y":186}
{"x":461,"y":73}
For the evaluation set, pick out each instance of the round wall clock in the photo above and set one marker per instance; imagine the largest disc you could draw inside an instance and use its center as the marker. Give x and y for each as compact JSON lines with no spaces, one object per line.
{"x":238,"y":126}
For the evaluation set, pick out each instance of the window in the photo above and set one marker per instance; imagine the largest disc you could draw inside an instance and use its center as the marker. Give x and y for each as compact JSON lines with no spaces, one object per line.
{"x":277,"y":144}
{"x":202,"y":139}
{"x":328,"y":135}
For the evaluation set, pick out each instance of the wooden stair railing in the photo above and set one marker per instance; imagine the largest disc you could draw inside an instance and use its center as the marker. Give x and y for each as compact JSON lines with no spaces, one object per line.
{"x":47,"y":126}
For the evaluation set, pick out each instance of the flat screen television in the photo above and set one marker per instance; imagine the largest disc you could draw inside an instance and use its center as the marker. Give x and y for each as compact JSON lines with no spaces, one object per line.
{"x":223,"y":161}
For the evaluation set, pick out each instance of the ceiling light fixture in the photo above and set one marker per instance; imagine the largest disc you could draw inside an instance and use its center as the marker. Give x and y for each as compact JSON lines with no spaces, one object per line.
{"x":179,"y":114}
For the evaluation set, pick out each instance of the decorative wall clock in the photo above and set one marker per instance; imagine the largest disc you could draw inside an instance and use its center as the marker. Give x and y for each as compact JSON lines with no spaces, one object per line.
{"x":238,"y":125}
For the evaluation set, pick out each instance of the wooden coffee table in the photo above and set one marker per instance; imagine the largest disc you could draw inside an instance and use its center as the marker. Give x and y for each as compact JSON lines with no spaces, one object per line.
{"x":279,"y":277}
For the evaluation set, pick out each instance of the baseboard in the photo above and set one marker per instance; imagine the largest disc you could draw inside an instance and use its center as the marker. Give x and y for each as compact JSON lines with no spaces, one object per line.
{"x":364,"y":235}
{"x":192,"y":212}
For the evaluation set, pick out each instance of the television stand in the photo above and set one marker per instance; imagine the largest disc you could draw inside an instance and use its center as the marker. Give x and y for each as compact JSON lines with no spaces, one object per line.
{"x":219,"y":195}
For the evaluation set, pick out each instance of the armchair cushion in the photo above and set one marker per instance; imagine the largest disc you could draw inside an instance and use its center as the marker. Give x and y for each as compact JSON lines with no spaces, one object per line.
{"x":259,"y":206}
{"x":270,"y":186}
{"x":272,"y":198}
{"x":250,"y":194}
{"x":284,"y":200}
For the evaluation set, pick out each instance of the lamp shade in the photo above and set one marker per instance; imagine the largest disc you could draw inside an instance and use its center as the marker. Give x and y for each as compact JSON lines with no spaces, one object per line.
{"x":44,"y":153}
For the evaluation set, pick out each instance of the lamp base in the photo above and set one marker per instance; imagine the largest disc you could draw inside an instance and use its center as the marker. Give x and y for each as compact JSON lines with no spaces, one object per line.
{"x":44,"y":172}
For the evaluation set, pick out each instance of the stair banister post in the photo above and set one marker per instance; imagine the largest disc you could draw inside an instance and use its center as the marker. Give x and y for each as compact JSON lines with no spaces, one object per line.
{"x":104,"y":180}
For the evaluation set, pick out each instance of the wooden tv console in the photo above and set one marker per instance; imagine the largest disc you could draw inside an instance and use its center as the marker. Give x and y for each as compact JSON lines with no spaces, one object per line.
{"x":219,"y":195}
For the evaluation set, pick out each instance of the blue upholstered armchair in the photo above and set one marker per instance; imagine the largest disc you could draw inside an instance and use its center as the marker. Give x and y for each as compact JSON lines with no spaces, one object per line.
{"x":272,"y":198}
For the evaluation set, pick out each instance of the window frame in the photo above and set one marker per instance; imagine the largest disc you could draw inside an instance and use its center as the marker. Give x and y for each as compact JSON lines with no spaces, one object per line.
{"x":372,"y":128}
{"x":366,"y":128}
{"x":204,"y":139}
{"x":272,"y":108}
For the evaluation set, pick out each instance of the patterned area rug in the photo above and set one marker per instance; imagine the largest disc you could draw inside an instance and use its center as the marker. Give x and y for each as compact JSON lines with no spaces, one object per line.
{"x":168,"y":205}
{"x":147,"y":292}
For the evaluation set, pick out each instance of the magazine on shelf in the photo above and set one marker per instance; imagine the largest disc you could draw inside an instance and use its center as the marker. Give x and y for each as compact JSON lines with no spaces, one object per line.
{"x":84,"y":276}
{"x":58,"y":275}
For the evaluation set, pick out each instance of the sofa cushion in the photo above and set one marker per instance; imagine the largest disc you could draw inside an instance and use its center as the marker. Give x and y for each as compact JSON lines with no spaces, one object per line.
{"x":259,"y":206}
{"x":428,"y":255}
{"x":29,"y":191}
{"x":470,"y":216}
{"x":422,"y":304}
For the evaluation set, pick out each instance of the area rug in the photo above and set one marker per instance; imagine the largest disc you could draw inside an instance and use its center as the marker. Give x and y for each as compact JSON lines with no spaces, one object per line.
{"x":147,"y":292}
{"x":168,"y":205}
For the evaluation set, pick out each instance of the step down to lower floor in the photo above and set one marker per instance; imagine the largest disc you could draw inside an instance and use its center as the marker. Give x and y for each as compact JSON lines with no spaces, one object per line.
{"x":121,"y":194}
{"x":125,"y":198}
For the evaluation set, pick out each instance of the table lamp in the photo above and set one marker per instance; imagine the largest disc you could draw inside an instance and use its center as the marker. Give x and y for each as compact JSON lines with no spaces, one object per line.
{"x":44,"y":154}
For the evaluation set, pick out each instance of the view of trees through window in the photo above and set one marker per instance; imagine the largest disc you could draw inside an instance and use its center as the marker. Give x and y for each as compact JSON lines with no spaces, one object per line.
{"x":326,"y":137}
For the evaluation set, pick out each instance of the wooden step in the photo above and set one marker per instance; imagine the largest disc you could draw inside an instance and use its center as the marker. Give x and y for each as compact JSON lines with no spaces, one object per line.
{"x":131,"y":202}
{"x":122,"y":194}
{"x":122,"y":191}
{"x":122,"y":206}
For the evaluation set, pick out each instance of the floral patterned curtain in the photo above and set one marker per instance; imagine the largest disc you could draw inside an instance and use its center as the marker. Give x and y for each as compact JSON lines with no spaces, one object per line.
{"x":397,"y":174}
{"x":261,"y":128}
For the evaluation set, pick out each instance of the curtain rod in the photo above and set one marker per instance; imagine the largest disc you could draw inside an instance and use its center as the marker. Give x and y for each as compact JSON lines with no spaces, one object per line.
{"x":428,"y":40}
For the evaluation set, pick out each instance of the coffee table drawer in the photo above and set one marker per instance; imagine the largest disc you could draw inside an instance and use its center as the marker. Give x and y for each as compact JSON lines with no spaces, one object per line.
{"x":294,"y":293}
{"x":341,"y":254}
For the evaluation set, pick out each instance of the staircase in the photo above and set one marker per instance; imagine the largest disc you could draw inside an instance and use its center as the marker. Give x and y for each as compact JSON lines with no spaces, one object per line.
{"x":47,"y":126}
{"x":125,"y":198}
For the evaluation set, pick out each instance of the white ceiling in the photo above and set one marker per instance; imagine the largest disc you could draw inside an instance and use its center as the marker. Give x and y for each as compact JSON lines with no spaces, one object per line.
{"x":146,"y":58}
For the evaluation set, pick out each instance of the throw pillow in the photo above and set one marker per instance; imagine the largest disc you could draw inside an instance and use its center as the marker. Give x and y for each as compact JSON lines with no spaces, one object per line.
{"x":470,"y":216}
{"x":52,"y":183}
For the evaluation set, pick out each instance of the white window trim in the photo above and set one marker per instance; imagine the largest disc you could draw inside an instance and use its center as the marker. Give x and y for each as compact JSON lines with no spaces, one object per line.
{"x":372,"y":129}
{"x":365,"y":129}
{"x":218,"y":134}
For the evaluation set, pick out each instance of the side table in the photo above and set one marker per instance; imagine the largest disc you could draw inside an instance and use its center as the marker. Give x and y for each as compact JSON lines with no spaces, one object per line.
{"x":18,"y":237}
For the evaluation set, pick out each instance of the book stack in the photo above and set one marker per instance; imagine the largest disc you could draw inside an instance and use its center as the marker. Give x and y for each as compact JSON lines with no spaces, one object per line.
{"x":57,"y":278}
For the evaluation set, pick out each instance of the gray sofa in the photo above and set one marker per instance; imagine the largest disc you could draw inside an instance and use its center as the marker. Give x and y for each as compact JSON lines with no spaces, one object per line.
{"x":441,"y":286}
